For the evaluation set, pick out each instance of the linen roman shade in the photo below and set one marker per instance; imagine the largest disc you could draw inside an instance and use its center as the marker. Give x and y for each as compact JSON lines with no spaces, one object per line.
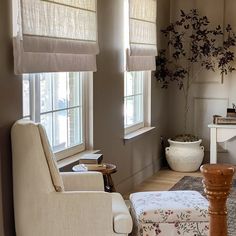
{"x":142,"y":35}
{"x":55,"y":36}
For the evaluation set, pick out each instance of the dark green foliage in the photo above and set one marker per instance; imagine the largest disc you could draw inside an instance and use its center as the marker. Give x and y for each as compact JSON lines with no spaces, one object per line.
{"x":185,"y":138}
{"x":192,"y":39}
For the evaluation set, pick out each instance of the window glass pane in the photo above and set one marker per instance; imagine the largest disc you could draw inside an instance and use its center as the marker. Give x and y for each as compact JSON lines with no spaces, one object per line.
{"x":138,"y":83}
{"x":46,"y":121}
{"x":129,"y":84}
{"x":26,"y":96}
{"x":59,"y":91}
{"x":45,"y":92}
{"x":59,"y":130}
{"x":75,"y":89}
{"x":129,"y":111}
{"x":138,"y":109}
{"x":75,"y":120}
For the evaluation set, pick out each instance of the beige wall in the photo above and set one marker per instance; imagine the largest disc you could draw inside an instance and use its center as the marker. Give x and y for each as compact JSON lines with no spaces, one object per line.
{"x":138,"y":158}
{"x":10,"y":110}
{"x":208,"y":96}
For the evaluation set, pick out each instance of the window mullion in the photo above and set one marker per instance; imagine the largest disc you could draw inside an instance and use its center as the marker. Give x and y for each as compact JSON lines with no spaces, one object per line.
{"x":67,"y":108}
{"x":32,"y":97}
{"x":84,"y":89}
{"x":144,"y":93}
{"x":37,"y":98}
{"x":136,"y":107}
{"x":53,"y":105}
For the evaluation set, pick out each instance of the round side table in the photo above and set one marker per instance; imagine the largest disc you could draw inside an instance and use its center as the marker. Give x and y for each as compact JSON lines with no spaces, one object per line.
{"x":108,"y":182}
{"x":106,"y":172}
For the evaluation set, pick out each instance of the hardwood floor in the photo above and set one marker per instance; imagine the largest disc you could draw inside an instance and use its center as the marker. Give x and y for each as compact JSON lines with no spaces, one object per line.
{"x":161,"y":181}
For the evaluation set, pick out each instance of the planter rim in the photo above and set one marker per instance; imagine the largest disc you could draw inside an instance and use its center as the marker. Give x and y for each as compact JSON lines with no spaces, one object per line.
{"x":178,"y":142}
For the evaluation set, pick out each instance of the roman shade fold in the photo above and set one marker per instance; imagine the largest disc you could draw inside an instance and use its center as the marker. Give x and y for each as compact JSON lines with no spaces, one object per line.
{"x":142,"y":35}
{"x":56,"y":36}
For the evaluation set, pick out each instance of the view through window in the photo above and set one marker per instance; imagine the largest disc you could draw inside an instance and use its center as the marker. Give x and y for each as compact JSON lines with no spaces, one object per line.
{"x":56,"y":100}
{"x":134,"y":100}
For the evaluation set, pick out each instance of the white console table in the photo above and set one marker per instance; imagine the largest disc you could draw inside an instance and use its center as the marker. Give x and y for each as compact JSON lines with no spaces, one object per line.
{"x":219,"y":133}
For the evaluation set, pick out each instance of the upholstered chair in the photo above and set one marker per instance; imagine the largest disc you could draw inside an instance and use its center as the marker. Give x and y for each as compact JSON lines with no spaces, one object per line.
{"x":50,"y":203}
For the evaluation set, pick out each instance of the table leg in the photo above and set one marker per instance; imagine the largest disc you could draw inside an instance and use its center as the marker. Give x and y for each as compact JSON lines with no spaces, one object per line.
{"x":108,"y":183}
{"x":213,"y":147}
{"x":112,"y":186}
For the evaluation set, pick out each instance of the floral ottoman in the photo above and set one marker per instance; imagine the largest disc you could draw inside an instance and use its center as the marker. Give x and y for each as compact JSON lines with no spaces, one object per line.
{"x":169,"y":213}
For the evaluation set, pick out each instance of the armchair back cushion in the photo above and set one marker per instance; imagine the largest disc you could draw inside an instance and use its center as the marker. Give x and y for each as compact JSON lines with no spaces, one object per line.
{"x":55,"y":175}
{"x":34,"y":167}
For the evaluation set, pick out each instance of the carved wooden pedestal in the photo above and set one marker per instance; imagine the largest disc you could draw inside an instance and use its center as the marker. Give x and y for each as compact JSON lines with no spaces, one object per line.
{"x":217,"y":183}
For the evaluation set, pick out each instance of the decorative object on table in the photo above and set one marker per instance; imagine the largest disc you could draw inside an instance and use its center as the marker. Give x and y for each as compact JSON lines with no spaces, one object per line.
{"x":215,"y":117}
{"x":96,"y":167}
{"x":80,"y":168}
{"x":89,"y":167}
{"x":193,"y":43}
{"x":92,"y":158}
{"x":225,"y":120}
{"x":217,"y":184}
{"x":230,"y":118}
{"x":231,"y":112}
{"x":195,"y":183}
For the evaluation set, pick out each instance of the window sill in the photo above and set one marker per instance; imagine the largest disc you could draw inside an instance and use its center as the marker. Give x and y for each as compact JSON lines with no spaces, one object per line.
{"x":73,"y":159}
{"x":138,"y":133}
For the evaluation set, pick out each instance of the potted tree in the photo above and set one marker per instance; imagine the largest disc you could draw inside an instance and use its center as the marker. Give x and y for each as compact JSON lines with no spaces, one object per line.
{"x":192,"y":43}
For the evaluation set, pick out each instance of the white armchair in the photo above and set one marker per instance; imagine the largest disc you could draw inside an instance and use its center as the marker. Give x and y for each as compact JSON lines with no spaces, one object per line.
{"x":49,"y":203}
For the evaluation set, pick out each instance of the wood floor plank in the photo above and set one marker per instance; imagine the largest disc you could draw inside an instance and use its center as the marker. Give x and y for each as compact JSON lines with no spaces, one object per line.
{"x":163,"y":180}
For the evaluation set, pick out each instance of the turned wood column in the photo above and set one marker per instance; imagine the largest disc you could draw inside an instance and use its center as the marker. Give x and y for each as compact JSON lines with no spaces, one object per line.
{"x":217,"y":183}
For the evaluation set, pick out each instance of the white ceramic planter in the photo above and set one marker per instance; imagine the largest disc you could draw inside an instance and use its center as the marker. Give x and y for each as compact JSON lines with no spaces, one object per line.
{"x":185,"y":156}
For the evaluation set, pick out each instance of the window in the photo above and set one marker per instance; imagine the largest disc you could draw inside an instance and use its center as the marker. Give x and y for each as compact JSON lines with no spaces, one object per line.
{"x":57,"y":36}
{"x":58,"y":101}
{"x":140,"y":51}
{"x":136,"y":100}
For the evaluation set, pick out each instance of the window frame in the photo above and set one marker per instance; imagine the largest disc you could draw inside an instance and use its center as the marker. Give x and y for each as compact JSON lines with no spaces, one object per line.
{"x":87,"y":123}
{"x":146,"y":122}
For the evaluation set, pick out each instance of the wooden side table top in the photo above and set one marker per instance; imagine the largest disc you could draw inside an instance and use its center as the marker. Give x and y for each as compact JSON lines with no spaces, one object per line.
{"x":110,"y":169}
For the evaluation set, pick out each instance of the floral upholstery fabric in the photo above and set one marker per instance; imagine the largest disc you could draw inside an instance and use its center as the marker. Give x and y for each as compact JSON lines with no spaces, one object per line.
{"x":169,"y":213}
{"x":171,"y":229}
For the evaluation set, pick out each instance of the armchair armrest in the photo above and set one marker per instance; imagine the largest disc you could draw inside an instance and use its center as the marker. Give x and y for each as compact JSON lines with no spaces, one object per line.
{"x":83,"y":181}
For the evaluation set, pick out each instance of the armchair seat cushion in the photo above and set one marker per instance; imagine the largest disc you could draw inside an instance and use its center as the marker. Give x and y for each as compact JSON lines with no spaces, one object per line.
{"x":122,"y":221}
